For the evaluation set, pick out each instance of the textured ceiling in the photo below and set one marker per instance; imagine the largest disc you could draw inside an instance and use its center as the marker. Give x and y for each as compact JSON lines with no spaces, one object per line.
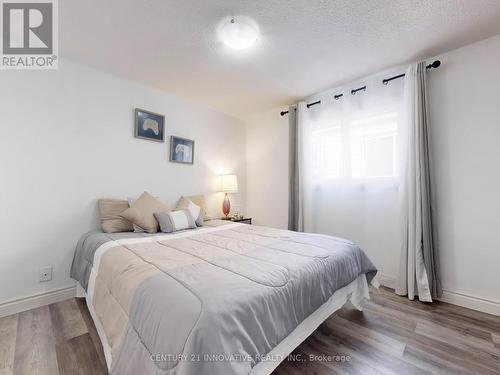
{"x":306,"y":46}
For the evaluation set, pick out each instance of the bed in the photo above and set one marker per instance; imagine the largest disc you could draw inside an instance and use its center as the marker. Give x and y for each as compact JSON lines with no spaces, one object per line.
{"x":227,"y":298}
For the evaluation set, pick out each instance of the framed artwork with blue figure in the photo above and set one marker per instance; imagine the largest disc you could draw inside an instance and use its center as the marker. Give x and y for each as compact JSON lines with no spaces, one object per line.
{"x":181,"y":150}
{"x":149,"y":125}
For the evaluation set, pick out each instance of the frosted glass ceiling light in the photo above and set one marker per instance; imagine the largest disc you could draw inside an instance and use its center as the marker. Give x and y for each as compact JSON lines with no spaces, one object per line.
{"x":238,"y":32}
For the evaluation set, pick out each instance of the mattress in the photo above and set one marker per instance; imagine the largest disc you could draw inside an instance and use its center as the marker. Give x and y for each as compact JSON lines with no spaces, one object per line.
{"x":214,"y":300}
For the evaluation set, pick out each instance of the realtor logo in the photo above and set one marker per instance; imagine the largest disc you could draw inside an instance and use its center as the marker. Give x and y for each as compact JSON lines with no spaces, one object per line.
{"x":29,"y":34}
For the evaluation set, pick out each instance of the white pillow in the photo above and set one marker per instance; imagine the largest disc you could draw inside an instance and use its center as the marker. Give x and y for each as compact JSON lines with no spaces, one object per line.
{"x":196,"y":213}
{"x":199,"y":200}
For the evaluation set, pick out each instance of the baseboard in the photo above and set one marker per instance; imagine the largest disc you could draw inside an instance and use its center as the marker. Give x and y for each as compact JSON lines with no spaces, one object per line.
{"x":455,"y":298}
{"x":475,"y":303}
{"x":37,"y":300}
{"x":386,"y":280}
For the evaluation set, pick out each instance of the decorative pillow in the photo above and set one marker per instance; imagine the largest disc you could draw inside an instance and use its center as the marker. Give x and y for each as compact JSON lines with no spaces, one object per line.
{"x":137,"y":229}
{"x":198,"y":200}
{"x":175,"y":220}
{"x":111,"y":221}
{"x":194,"y":210}
{"x":195,"y":213}
{"x":142,"y":212}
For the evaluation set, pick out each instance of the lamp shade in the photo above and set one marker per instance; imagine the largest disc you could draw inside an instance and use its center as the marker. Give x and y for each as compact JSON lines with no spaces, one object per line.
{"x":228,"y":183}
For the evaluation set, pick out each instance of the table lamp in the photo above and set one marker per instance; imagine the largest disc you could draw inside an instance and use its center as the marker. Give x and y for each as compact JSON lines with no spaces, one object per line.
{"x":228,"y":184}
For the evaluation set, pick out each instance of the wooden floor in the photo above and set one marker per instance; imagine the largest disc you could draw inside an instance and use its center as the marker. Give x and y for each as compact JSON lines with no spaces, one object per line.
{"x":392,"y":336}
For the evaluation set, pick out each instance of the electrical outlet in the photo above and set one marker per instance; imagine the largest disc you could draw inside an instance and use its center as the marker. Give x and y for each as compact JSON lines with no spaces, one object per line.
{"x":45,"y":274}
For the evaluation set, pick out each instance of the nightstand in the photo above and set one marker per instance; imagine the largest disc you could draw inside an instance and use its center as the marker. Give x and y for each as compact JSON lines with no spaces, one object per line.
{"x":246,"y":220}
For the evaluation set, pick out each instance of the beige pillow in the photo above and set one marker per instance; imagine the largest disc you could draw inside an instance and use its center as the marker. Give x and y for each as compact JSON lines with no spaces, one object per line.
{"x":142,"y":212}
{"x":198,"y":200}
{"x":137,"y":229}
{"x":111,"y":221}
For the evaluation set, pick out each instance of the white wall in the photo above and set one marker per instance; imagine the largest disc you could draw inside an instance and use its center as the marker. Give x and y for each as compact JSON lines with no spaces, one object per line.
{"x":67,"y":140}
{"x":465,"y":113}
{"x":267,"y":168}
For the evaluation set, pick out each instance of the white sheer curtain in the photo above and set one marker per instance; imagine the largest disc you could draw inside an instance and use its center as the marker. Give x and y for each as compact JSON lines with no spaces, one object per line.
{"x":349,"y":154}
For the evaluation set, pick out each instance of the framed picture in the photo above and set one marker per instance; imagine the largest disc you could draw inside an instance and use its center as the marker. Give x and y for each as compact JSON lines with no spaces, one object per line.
{"x":149,"y":125}
{"x":181,"y":150}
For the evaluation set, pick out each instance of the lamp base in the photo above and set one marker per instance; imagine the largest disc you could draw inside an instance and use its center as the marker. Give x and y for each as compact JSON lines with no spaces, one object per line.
{"x":226,"y":205}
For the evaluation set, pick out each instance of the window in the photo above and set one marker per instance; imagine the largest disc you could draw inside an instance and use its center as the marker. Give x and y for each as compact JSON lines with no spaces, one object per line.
{"x":364,"y":148}
{"x":327,"y":152}
{"x":373,"y":146}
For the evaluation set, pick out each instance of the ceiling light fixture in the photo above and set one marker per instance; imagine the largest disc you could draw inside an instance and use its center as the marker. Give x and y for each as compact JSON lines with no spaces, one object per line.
{"x":238,"y":32}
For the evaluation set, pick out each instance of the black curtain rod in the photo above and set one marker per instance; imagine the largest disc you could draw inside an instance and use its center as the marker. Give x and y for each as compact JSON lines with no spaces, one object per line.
{"x":436,"y":64}
{"x":282,"y":113}
{"x":353,"y":92}
{"x":311,"y":104}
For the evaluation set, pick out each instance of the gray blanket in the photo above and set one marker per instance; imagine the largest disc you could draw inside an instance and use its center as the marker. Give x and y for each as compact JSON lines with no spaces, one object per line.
{"x":211,"y":303}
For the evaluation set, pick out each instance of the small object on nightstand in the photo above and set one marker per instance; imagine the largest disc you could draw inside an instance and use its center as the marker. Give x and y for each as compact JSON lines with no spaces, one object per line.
{"x":244,"y":220}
